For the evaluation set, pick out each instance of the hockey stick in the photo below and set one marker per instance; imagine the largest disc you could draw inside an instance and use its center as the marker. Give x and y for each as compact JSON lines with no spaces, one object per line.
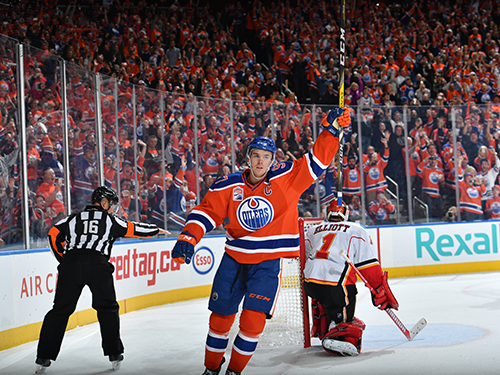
{"x":340,"y":181}
{"x":410,"y":334}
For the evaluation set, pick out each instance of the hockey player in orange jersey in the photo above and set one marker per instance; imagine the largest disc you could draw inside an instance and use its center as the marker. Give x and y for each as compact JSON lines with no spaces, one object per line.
{"x":261,"y":205}
{"x":330,"y":281}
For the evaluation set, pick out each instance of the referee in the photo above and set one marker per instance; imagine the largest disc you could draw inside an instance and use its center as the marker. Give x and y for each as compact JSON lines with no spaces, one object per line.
{"x":82,"y":244}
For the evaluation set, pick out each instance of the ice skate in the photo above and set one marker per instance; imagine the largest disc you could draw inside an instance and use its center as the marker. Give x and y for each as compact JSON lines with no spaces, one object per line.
{"x":342,"y":347}
{"x":214,"y":372}
{"x":41,"y":365}
{"x":116,"y":361}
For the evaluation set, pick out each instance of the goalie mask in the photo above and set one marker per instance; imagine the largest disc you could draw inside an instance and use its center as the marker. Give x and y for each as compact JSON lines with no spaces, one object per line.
{"x":337,"y":213}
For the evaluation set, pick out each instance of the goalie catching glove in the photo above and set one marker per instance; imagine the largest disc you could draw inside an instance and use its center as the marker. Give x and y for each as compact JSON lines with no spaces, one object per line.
{"x":383,"y":297}
{"x":337,"y":118}
{"x":184,"y":248}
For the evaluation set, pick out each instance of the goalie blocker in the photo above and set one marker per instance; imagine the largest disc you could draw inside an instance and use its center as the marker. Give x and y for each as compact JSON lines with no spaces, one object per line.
{"x":331,"y":283}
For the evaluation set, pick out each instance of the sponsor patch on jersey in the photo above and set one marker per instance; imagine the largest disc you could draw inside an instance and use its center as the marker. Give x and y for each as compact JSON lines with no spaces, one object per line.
{"x":237,"y":194}
{"x":255,"y":213}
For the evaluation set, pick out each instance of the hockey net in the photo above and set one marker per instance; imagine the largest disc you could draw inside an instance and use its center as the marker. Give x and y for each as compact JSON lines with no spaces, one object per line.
{"x":290,"y":323}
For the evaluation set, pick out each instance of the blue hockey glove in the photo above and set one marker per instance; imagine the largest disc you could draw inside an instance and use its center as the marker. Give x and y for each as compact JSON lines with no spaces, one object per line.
{"x":337,"y":118}
{"x":184,"y":248}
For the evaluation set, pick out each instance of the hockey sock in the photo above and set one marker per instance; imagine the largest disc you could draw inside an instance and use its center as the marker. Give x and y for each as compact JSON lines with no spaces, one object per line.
{"x":217,"y":339}
{"x":251,"y":326}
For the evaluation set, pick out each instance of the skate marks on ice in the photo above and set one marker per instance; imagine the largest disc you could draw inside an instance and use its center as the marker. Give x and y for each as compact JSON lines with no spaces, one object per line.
{"x":434,"y":335}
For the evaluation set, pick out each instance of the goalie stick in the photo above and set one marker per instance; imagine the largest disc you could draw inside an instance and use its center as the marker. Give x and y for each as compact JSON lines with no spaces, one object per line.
{"x":342,"y":45}
{"x":410,"y":334}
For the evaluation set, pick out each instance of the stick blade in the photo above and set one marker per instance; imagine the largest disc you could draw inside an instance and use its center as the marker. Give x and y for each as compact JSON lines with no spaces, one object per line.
{"x":420,"y":325}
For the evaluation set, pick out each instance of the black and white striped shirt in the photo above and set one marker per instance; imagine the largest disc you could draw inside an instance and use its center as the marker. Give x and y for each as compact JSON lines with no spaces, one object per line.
{"x":94,"y":229}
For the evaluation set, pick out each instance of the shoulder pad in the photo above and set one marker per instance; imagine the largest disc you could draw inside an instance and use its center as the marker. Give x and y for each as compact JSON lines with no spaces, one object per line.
{"x":225,"y":181}
{"x":280,"y":168}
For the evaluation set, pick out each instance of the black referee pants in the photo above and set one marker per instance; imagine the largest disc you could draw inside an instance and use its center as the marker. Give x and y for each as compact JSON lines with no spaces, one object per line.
{"x":80,"y":268}
{"x":333,"y":298}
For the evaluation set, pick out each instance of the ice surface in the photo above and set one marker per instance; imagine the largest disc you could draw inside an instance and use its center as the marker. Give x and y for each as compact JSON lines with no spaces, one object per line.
{"x":461,"y":337}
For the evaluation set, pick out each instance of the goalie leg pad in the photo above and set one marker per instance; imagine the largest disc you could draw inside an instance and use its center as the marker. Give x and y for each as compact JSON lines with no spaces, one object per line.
{"x":351,"y":332}
{"x":320,"y":320}
{"x":339,"y":347}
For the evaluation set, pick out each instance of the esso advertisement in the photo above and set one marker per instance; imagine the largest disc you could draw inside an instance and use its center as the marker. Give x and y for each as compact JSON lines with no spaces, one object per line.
{"x":203,"y":260}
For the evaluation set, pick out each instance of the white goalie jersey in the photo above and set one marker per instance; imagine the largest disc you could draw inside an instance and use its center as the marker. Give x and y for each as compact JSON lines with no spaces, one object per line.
{"x":324,"y":265}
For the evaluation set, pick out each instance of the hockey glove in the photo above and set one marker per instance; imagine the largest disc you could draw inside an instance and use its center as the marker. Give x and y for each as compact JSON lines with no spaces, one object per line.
{"x":383,"y":297}
{"x":337,"y":118}
{"x":184,"y":248}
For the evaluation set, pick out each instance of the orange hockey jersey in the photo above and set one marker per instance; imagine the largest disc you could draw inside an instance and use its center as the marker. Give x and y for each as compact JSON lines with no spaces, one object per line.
{"x":493,"y":207}
{"x":470,"y":197}
{"x":374,"y":174}
{"x":263,"y":219}
{"x":352,"y":179}
{"x":432,"y":178}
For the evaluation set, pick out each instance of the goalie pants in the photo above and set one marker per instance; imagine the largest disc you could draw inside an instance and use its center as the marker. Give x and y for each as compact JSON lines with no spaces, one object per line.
{"x":80,"y":268}
{"x":339,"y":300}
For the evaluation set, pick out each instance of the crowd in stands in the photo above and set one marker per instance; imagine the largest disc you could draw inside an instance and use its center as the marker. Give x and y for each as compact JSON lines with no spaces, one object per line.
{"x":278,"y":65}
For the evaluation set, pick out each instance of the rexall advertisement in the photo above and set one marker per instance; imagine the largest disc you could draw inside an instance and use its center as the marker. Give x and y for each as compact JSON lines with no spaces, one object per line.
{"x":440,"y":248}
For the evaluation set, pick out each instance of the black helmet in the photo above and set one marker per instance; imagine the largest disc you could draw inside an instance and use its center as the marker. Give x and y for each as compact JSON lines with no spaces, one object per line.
{"x":104,"y":192}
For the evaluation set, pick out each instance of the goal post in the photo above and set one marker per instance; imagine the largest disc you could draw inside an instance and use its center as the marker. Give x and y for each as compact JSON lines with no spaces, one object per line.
{"x":290,"y":324}
{"x":304,"y":224}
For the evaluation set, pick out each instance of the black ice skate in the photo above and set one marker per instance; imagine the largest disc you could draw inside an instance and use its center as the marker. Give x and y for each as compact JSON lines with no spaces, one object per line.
{"x":116,"y":361}
{"x":214,"y":372}
{"x":41,"y":365}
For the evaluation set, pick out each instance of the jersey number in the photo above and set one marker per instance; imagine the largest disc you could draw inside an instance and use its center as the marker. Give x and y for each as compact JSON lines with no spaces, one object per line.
{"x":325,"y":249}
{"x":91,"y":226}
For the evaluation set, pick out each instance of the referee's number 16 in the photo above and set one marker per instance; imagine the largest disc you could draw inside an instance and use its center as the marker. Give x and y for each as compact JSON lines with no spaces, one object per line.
{"x":91,"y":226}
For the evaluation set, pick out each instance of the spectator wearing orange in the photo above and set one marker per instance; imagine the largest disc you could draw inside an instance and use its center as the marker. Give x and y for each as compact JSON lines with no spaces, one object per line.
{"x":381,"y":208}
{"x":471,"y":191}
{"x":492,"y":210}
{"x":374,"y":173}
{"x":432,"y":180}
{"x":351,"y":176}
{"x":51,"y":191}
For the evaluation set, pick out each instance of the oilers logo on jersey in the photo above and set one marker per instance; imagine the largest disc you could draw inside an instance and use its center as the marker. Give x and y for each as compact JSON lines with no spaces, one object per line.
{"x":434,"y":178}
{"x":381,"y":214}
{"x":495,"y":208}
{"x":212,"y":161}
{"x":353,"y":175}
{"x":473,"y":193}
{"x":255,"y":213}
{"x":374,"y":173}
{"x":89,"y":172}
